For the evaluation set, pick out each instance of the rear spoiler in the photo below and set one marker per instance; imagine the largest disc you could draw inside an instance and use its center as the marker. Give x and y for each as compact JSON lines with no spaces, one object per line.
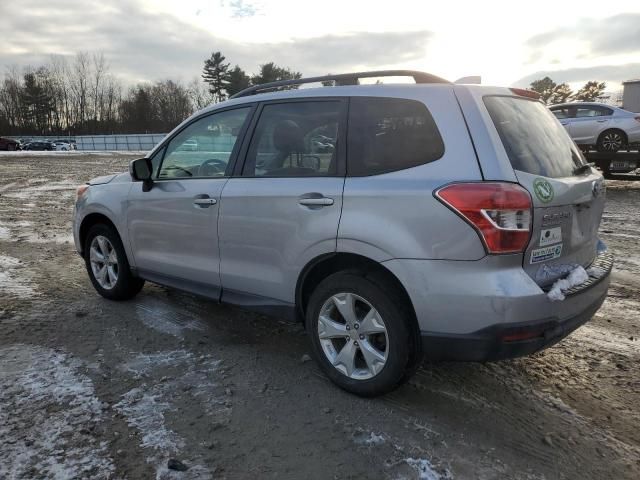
{"x":473,"y":80}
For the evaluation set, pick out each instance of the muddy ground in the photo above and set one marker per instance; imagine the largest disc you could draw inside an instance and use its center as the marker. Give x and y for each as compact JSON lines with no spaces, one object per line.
{"x":96,"y":389}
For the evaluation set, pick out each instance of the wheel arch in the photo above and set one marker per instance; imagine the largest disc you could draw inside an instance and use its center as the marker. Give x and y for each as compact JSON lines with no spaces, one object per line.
{"x":324,"y":265}
{"x":89,"y":221}
{"x":613,"y":129}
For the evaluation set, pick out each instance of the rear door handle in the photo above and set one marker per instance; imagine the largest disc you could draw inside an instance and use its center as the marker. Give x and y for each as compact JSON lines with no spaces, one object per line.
{"x":316,"y":202}
{"x":204,"y":201}
{"x":602,"y":121}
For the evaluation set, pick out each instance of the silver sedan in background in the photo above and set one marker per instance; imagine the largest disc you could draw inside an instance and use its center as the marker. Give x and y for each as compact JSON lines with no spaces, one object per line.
{"x":606,"y":127}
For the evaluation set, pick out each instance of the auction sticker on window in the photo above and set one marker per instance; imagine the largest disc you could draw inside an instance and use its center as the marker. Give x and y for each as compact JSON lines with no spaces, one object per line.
{"x":546,"y":253}
{"x":549,"y":236}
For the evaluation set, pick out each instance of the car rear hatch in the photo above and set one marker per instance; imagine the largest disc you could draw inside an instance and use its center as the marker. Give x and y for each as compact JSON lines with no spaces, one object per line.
{"x":567,"y":195}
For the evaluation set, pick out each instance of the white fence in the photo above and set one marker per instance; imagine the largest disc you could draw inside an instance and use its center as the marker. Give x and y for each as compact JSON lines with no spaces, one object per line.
{"x":143,"y":141}
{"x":118,"y":142}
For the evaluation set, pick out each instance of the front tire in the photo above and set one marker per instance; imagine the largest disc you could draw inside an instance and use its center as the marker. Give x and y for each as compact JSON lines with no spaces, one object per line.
{"x":360,"y":334}
{"x":107,"y":264}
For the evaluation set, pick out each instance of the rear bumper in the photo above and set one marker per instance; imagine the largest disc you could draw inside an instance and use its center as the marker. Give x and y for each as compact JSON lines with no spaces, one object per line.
{"x":493,"y":343}
{"x":491,"y":309}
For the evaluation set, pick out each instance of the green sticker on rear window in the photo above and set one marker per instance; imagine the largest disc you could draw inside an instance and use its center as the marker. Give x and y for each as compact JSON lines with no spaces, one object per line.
{"x":543,"y":190}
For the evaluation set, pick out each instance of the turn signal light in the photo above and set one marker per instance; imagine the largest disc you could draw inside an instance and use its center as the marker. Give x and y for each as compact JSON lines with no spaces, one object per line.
{"x":80,"y":191}
{"x":500,"y":212}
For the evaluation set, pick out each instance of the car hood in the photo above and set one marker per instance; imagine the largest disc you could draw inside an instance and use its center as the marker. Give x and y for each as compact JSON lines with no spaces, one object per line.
{"x":117,"y":177}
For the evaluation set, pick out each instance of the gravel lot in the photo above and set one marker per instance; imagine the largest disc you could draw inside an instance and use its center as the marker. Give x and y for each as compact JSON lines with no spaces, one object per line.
{"x":96,"y":389}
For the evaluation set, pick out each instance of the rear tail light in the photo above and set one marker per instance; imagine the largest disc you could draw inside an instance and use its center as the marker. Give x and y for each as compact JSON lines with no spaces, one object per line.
{"x":637,"y":119}
{"x":501,"y":213}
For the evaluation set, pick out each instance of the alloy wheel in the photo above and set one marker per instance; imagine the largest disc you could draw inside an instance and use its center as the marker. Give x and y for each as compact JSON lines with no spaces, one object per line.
{"x":612,"y":142}
{"x":104,"y":262}
{"x":353,"y":336}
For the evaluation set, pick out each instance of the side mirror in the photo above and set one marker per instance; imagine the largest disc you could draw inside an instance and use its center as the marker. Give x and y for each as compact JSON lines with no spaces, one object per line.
{"x":141,"y":171}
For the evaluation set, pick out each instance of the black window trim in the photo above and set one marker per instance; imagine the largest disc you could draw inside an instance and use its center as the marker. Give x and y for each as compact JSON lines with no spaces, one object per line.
{"x":342,"y":137}
{"x":162,"y":147}
{"x":382,"y":172}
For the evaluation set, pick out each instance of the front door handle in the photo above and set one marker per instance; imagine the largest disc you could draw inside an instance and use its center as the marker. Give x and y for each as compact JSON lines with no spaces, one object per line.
{"x":204,"y":201}
{"x":316,"y":202}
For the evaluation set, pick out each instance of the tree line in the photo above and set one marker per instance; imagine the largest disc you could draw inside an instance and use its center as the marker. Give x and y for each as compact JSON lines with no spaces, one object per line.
{"x":80,"y":96}
{"x":553,"y":93}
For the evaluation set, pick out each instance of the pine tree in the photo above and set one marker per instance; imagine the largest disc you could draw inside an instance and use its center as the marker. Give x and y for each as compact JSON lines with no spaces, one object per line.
{"x":215,"y":73}
{"x":544,"y":87}
{"x":590,"y":92}
{"x":237,"y":80}
{"x":270,"y":72}
{"x":560,"y":94}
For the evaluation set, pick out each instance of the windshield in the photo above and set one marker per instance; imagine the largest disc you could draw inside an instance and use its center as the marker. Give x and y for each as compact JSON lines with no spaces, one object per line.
{"x":533,"y":138}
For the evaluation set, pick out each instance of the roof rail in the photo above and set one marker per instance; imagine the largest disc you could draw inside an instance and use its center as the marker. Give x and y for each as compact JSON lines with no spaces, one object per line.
{"x":342,"y":79}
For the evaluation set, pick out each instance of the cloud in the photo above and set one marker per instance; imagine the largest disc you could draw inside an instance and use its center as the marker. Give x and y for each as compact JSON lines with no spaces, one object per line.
{"x":145,"y":45}
{"x":606,"y":73}
{"x":605,"y":36}
{"x":242,"y":9}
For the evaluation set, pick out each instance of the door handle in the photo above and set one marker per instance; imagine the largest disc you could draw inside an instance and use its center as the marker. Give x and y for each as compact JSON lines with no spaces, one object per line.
{"x":204,"y":202}
{"x":601,"y":121}
{"x":316,"y":202}
{"x":565,"y":124}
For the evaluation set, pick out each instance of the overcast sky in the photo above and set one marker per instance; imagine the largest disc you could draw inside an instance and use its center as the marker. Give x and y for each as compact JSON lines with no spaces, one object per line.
{"x":507,"y":43}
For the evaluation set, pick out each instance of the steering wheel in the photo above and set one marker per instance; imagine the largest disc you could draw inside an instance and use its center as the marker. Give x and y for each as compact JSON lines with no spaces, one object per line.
{"x":212,"y":167}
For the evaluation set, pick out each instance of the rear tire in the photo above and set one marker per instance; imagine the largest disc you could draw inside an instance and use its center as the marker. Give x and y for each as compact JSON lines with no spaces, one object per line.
{"x":610,"y":141}
{"x":107,"y":264}
{"x":378,"y":346}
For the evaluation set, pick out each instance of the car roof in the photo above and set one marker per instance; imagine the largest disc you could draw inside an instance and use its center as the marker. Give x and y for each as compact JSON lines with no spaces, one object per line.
{"x":583,"y":104}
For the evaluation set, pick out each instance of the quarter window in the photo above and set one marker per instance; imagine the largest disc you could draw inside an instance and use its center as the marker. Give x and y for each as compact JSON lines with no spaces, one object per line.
{"x":388,"y":134}
{"x":295,"y":139}
{"x":204,"y":148}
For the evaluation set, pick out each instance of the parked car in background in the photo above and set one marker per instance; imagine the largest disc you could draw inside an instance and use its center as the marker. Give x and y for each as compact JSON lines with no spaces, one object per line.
{"x":431,"y":219}
{"x":61,"y":145}
{"x":39,"y":145}
{"x":9,"y":144}
{"x":605,"y":127}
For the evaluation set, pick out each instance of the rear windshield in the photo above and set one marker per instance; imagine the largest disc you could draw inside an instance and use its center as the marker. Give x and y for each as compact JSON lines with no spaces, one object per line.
{"x":535,"y":141}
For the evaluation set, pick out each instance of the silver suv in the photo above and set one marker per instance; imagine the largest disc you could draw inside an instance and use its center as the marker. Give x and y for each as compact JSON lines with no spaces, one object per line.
{"x":395,"y":221}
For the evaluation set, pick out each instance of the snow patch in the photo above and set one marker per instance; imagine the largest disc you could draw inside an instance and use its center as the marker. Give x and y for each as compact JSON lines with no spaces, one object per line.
{"x":159,"y":317}
{"x":577,"y":276}
{"x":145,"y":411}
{"x":371,"y":439}
{"x":146,"y":407}
{"x":425,"y":469}
{"x":48,"y":411}
{"x":11,"y":282}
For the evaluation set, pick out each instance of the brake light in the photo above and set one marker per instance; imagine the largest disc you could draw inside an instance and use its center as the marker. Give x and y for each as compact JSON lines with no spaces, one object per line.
{"x":501,"y":213}
{"x":523,"y":92}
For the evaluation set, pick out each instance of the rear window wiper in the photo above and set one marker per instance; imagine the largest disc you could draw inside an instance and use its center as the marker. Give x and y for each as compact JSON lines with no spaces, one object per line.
{"x":586,"y":167}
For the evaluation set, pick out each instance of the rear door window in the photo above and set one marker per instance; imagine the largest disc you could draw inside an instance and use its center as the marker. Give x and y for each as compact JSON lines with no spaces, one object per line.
{"x":534,"y":140}
{"x":296,"y":139}
{"x":388,"y":134}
